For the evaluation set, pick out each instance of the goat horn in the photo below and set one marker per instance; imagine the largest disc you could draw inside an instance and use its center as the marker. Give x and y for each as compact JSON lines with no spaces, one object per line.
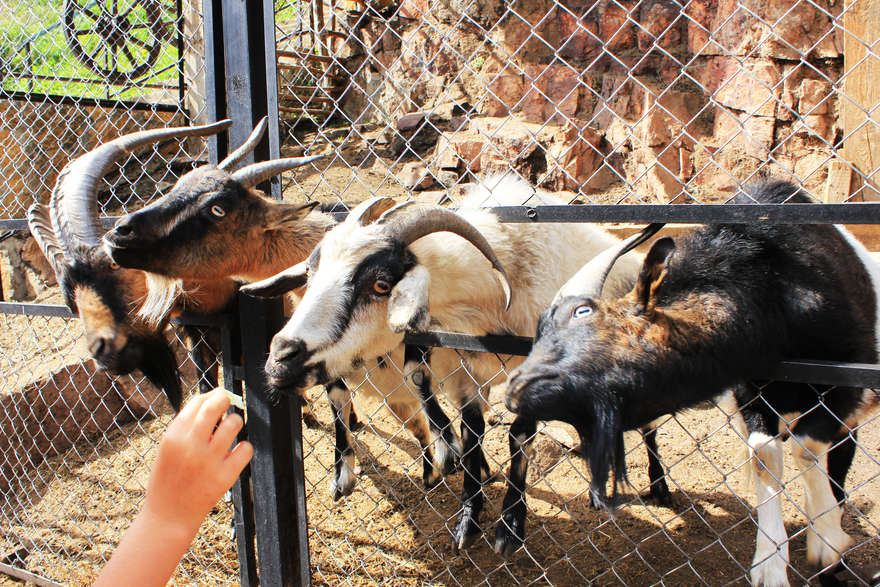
{"x":590,"y":279}
{"x":410,"y":221}
{"x":279,"y":284}
{"x":257,"y":173}
{"x":74,"y":206}
{"x":247,"y":148}
{"x":40,"y":226}
{"x":369,"y":210}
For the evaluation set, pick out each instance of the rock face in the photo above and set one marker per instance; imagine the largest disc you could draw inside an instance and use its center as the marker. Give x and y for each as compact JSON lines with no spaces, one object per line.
{"x":663,"y":99}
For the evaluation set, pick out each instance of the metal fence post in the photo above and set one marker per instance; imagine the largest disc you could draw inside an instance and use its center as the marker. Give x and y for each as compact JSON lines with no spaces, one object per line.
{"x":277,"y":476}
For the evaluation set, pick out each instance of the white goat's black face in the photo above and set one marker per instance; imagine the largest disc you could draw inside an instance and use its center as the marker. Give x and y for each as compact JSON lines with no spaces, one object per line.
{"x":343,"y":317}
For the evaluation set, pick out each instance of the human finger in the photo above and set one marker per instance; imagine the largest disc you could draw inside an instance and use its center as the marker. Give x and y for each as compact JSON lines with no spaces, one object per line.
{"x":213,"y":408}
{"x":237,"y":460}
{"x":226,"y":431}
{"x":191,"y":408}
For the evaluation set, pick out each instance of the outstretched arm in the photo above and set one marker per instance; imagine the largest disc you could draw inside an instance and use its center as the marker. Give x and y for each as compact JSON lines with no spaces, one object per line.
{"x":192,"y":471}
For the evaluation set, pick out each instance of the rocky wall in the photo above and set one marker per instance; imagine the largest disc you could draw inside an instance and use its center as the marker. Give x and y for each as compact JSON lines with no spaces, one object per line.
{"x":647,"y":93}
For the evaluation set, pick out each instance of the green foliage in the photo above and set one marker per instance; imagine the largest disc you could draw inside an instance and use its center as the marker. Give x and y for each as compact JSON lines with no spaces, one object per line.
{"x":36,"y":56}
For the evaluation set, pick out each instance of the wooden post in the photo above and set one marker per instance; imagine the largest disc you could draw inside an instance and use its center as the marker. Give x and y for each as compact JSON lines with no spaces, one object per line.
{"x":860,"y":112}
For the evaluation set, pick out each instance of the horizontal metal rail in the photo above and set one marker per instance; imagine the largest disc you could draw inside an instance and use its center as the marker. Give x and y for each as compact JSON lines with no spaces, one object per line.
{"x":21,"y":223}
{"x":62,"y":311}
{"x":854,"y":213}
{"x":801,"y":371}
{"x":78,"y":101}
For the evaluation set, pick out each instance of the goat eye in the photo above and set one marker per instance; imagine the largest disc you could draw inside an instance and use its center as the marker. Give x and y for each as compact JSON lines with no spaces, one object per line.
{"x":582,"y":311}
{"x":382,"y":287}
{"x":114,"y":265}
{"x":218,"y":211}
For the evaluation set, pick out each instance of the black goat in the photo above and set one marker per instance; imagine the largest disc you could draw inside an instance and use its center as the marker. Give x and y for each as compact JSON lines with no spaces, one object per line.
{"x":714,"y":311}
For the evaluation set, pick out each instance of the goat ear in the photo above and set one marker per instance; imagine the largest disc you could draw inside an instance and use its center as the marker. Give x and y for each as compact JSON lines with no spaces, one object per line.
{"x":281,"y":216}
{"x":653,"y":271}
{"x":408,"y":305}
{"x":279,"y":284}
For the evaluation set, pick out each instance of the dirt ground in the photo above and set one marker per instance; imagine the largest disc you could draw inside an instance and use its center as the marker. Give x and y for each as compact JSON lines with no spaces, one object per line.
{"x":70,"y":511}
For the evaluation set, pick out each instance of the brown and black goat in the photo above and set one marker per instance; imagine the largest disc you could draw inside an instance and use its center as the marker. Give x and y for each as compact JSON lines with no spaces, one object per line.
{"x":105,"y":296}
{"x":214,"y":226}
{"x":122,"y":317}
{"x":717,"y":309}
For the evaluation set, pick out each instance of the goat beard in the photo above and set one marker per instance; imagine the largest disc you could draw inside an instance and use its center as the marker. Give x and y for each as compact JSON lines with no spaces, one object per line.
{"x":159,"y":366}
{"x":603,"y":448}
{"x":162,"y":295}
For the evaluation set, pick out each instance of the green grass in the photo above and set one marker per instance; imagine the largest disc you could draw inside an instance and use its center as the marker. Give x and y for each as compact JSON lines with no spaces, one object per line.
{"x":50,"y":55}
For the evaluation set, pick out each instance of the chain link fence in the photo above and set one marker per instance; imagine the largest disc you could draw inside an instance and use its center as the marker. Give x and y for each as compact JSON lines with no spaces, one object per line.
{"x":605,"y":102}
{"x":77,"y":443}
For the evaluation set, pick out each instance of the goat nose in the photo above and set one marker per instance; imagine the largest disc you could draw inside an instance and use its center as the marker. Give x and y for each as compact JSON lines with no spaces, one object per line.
{"x":123,"y":229}
{"x":99,"y":346}
{"x":287,"y":350}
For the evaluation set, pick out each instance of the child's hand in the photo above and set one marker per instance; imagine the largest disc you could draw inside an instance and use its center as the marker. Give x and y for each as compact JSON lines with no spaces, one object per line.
{"x":195,"y":466}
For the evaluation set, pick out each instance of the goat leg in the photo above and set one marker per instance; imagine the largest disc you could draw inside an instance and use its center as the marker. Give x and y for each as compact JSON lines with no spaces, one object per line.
{"x":659,"y":490}
{"x":510,"y":534}
{"x":344,"y":475}
{"x":472,"y":428}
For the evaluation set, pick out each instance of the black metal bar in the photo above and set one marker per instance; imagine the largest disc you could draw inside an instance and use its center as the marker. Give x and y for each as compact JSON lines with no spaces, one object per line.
{"x":852,"y":213}
{"x":21,"y":309}
{"x":802,"y":371}
{"x":21,"y":223}
{"x":77,"y":101}
{"x":194,"y":319}
{"x":243,"y":514}
{"x":276,"y":469}
{"x":277,"y":475}
{"x":215,"y":76}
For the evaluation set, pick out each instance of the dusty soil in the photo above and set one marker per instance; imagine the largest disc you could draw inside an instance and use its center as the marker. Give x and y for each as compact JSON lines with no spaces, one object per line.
{"x":70,"y":511}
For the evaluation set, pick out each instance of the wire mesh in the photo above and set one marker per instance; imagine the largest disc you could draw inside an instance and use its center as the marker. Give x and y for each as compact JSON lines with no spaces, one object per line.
{"x":596,"y":102}
{"x":78,"y":442}
{"x":602,"y":102}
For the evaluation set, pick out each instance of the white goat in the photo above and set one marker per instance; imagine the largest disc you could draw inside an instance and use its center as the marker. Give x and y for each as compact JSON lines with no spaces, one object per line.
{"x":389,"y":268}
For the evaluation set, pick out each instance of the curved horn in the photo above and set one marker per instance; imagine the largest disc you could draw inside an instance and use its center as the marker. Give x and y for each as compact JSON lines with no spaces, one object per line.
{"x":259,"y":172}
{"x":409,"y":222}
{"x":247,"y":148}
{"x":590,"y":278}
{"x":369,"y":210}
{"x":280,"y":283}
{"x":74,"y":208}
{"x":40,"y":226}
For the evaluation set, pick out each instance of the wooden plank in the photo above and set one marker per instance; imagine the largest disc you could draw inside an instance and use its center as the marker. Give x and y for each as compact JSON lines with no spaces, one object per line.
{"x":861,"y":116}
{"x":837,"y":187}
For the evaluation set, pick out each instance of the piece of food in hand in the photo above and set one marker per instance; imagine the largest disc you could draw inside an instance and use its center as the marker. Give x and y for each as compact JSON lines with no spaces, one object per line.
{"x":235,"y":399}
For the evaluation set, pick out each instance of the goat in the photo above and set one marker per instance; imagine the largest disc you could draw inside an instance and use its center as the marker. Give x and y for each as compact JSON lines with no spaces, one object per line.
{"x":110,"y":299}
{"x":717,"y":309}
{"x":214,"y":226}
{"x":97,"y":289}
{"x":389,"y":268}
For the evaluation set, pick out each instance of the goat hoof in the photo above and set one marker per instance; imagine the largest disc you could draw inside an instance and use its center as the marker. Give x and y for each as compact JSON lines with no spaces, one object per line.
{"x":354,"y":424}
{"x":659,"y":493}
{"x":343,"y":483}
{"x":599,"y":501}
{"x":431,"y":476}
{"x":772,"y":572}
{"x":509,"y":536}
{"x":311,"y":422}
{"x":465,"y":534}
